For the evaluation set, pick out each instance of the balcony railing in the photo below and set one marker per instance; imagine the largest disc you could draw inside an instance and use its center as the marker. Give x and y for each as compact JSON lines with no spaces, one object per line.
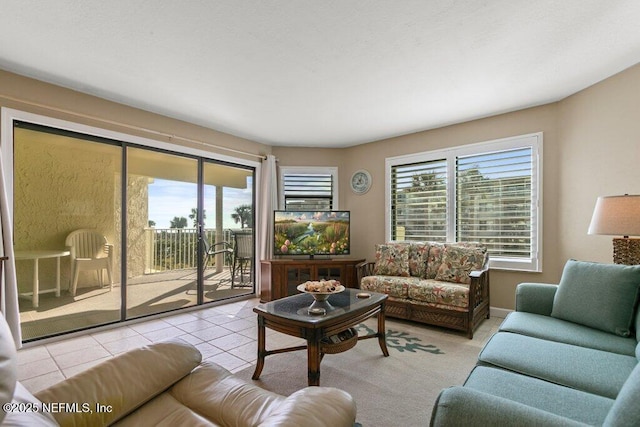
{"x":175,"y":248}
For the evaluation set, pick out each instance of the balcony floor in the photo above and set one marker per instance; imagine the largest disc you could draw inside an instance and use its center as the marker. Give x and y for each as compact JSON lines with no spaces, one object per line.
{"x":148,"y":294}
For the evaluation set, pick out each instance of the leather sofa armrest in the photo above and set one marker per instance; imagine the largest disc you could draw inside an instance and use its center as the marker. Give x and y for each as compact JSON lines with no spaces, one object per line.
{"x":535,"y":298}
{"x":123,"y":383}
{"x":225,"y":399}
{"x":8,"y":365}
{"x":462,"y":406}
{"x":314,"y":406}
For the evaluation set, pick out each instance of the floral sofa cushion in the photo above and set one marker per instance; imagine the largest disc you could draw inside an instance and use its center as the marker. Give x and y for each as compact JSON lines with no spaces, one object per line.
{"x":394,"y":286}
{"x":392,"y":259}
{"x":434,"y":260}
{"x":427,"y":291}
{"x":458,"y":260}
{"x":418,"y":257}
{"x":423,"y":258}
{"x":440,"y":293}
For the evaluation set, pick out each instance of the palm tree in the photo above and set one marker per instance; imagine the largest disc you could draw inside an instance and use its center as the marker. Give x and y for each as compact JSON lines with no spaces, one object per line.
{"x":243,"y":215}
{"x":194,"y":216}
{"x":178,"y":222}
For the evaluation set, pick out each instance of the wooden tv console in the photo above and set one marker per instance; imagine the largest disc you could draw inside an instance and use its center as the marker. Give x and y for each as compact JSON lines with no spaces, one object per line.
{"x":280,"y":277}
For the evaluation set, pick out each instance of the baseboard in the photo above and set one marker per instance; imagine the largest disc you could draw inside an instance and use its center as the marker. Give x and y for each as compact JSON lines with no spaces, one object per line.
{"x":499,"y":312}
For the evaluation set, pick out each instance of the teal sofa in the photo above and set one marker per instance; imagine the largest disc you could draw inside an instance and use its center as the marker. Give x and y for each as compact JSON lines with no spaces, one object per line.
{"x":568,"y":356}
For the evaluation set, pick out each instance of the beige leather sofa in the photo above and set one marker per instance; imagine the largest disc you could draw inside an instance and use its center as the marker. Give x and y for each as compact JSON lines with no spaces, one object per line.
{"x":163,"y":384}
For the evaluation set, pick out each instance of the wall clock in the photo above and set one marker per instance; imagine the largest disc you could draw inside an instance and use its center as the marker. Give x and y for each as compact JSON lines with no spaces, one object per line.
{"x":360,"y":181}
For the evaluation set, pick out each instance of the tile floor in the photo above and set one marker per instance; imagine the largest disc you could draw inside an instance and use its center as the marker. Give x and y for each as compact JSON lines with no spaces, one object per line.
{"x":225,"y":334}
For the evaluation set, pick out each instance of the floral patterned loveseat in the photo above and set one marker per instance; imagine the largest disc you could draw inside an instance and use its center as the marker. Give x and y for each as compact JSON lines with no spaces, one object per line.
{"x":442,"y":284}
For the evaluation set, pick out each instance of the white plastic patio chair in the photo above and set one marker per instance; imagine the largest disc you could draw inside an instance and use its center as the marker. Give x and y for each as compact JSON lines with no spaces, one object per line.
{"x":89,"y":251}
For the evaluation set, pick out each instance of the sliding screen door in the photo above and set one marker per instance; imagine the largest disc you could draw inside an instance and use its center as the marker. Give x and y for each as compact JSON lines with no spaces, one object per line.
{"x":64,"y":182}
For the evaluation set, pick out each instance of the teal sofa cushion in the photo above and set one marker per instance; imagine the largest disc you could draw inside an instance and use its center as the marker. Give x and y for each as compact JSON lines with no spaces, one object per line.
{"x":535,"y":297}
{"x":463,"y":406}
{"x":602,"y":296}
{"x":626,"y":410}
{"x":586,"y":369}
{"x":564,"y":401}
{"x":550,"y":328}
{"x":637,"y":323}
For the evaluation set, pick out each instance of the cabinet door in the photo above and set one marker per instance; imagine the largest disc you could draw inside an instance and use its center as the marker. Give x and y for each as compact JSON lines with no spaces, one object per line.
{"x":295,"y":276}
{"x":329,"y":273}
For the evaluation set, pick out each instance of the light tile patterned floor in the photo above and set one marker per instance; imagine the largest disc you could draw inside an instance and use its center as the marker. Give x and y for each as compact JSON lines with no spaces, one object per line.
{"x":225,"y":334}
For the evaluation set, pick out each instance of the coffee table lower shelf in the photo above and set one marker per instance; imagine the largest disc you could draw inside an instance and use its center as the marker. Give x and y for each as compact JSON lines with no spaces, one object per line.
{"x":346,"y":340}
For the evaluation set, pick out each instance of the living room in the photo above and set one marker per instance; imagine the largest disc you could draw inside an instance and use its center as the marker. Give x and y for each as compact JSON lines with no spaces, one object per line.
{"x":590,"y":150}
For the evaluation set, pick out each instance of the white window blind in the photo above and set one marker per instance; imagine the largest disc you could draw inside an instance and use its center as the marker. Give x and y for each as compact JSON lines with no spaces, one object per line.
{"x":487,"y":193}
{"x":494,"y":201}
{"x":419,"y":201}
{"x":302,"y":190}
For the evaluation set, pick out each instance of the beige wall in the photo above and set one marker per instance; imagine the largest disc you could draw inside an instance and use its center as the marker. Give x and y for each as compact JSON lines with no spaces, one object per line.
{"x":599,"y":155}
{"x":22,"y":93}
{"x":591,"y":148}
{"x":37,"y":97}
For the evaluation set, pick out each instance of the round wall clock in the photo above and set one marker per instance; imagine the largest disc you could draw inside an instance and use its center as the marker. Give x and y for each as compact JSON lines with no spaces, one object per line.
{"x":360,"y":181}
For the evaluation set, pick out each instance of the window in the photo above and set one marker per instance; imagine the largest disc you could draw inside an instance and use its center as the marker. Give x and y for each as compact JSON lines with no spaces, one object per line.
{"x":487,"y":192}
{"x":309,"y":188}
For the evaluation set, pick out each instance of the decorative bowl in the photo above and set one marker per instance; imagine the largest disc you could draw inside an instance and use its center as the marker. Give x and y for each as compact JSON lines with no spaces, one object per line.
{"x":320,"y":296}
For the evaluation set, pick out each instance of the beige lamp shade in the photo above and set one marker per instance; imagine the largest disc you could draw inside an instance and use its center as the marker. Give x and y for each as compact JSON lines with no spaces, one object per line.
{"x":616,"y":216}
{"x":619,"y":216}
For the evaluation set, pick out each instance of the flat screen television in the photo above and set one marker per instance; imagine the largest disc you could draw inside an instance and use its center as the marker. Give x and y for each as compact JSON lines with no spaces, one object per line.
{"x":311,"y":233}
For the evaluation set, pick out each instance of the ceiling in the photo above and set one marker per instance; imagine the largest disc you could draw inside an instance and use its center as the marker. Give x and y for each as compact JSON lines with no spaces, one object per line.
{"x":330,"y":73}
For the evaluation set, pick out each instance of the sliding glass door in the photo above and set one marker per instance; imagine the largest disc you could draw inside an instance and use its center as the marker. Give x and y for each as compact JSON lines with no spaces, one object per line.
{"x":227,"y":232}
{"x":167,"y":230}
{"x":63,"y":183}
{"x":162,"y":200}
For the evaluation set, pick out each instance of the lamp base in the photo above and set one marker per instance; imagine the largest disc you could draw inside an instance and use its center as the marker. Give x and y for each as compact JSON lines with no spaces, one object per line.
{"x":626,"y":251}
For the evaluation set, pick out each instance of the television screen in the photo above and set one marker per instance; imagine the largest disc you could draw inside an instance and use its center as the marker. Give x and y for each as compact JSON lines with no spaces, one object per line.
{"x":311,"y":233}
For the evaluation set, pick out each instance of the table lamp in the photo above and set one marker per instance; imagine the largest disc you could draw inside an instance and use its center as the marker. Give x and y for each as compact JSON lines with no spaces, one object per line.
{"x":619,"y":216}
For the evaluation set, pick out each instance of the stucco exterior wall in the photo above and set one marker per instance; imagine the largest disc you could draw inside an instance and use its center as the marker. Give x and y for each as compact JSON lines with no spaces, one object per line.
{"x":137,"y":222}
{"x":60,"y":185}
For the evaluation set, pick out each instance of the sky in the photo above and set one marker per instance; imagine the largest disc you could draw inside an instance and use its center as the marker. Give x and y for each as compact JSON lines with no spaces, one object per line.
{"x":168,"y":199}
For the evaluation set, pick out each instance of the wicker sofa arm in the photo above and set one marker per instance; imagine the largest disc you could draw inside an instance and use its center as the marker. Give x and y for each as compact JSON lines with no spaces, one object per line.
{"x":479,"y":286}
{"x":364,"y":269}
{"x":477,"y":274}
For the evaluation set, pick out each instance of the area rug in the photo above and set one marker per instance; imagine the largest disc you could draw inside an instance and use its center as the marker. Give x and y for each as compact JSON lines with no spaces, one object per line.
{"x":398,"y":390}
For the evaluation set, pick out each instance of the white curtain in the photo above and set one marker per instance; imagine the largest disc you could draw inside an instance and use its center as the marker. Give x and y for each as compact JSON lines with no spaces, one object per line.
{"x":268,"y":202}
{"x":8,"y":281}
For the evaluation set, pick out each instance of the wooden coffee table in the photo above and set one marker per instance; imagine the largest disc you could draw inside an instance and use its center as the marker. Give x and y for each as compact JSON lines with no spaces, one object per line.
{"x":290,"y":316}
